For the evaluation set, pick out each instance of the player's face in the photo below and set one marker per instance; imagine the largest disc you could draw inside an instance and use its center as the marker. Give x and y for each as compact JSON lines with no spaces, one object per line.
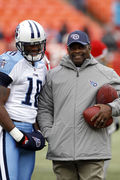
{"x":33,"y":50}
{"x":78,"y":53}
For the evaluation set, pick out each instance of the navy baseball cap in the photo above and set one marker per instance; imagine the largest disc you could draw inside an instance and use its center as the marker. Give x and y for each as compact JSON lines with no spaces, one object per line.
{"x":78,"y":37}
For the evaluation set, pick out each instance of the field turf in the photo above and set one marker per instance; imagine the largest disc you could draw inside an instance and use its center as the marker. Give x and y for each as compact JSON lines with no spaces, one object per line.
{"x":43,"y":167}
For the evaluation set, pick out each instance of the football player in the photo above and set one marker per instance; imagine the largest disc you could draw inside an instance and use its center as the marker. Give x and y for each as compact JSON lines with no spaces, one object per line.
{"x":22,"y":75}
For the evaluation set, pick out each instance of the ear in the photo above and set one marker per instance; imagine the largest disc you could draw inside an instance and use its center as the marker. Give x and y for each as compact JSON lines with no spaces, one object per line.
{"x":67,"y":49}
{"x":89,"y":47}
{"x":88,"y":51}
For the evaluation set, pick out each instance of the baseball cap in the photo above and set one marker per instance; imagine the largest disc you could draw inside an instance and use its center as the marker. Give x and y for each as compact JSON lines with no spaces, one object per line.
{"x":78,"y":37}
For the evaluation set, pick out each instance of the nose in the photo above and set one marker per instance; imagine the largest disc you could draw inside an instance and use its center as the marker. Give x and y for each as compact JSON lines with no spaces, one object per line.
{"x":34,"y":48}
{"x":78,"y":50}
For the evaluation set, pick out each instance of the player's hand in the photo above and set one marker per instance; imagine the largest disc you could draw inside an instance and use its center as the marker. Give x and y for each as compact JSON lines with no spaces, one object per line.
{"x":33,"y":141}
{"x":102,"y":116}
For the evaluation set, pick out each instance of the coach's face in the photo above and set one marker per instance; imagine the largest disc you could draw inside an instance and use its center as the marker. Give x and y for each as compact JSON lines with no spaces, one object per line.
{"x":78,"y":53}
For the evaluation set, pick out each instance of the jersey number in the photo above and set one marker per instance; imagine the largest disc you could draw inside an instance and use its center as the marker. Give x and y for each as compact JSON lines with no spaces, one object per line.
{"x":29,"y":92}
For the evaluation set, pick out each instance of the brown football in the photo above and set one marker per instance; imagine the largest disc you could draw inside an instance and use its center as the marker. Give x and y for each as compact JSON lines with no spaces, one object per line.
{"x":90,"y":112}
{"x":106,"y":94}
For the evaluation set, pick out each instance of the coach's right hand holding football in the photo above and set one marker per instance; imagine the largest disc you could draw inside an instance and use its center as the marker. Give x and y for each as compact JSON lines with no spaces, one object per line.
{"x":102,"y":116}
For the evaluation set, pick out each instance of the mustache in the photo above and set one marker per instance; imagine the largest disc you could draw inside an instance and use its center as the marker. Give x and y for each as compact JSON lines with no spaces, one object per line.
{"x":79,"y":54}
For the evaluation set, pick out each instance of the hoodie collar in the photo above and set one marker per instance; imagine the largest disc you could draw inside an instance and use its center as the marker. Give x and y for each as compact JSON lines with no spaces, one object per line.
{"x":66,"y":61}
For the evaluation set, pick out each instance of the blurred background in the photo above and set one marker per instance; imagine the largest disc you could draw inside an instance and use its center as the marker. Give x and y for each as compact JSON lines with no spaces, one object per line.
{"x":100,"y":19}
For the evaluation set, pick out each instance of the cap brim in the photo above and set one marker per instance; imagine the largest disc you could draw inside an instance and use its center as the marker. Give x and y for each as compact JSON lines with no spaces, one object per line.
{"x":80,"y":42}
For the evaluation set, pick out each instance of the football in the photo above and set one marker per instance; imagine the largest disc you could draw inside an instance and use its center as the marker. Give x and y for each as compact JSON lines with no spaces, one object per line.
{"x":90,"y":112}
{"x":106,"y":94}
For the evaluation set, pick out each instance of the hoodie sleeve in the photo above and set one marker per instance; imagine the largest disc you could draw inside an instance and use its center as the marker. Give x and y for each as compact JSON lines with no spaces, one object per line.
{"x":115,"y":107}
{"x":116,"y":103}
{"x":45,"y":108}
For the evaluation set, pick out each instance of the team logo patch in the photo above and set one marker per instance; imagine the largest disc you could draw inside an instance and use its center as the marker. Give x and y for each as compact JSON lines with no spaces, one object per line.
{"x":37,"y":141}
{"x":94,"y":84}
{"x":2,"y":63}
{"x":75,"y":36}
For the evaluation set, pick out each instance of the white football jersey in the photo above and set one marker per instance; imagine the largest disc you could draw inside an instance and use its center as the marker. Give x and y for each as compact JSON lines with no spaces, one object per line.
{"x":26,"y":83}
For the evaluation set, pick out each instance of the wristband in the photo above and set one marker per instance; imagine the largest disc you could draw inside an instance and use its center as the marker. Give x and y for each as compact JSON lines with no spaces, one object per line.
{"x":16,"y":134}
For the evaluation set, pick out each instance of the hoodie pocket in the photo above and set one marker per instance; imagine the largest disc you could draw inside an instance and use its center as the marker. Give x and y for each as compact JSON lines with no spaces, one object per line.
{"x":60,"y":141}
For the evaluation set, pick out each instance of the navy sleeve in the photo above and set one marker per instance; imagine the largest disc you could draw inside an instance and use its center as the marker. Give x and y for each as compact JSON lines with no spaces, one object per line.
{"x":5,"y":80}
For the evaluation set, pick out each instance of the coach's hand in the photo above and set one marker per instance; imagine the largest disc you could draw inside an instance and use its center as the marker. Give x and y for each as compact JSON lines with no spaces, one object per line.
{"x":33,"y":141}
{"x":102,"y":116}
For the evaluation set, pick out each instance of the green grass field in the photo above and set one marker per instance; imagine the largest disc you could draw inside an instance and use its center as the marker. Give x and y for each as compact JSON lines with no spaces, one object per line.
{"x":43,"y":167}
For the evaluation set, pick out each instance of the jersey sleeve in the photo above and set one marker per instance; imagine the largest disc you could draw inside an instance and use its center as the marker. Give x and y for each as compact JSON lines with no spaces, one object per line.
{"x":7,"y":63}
